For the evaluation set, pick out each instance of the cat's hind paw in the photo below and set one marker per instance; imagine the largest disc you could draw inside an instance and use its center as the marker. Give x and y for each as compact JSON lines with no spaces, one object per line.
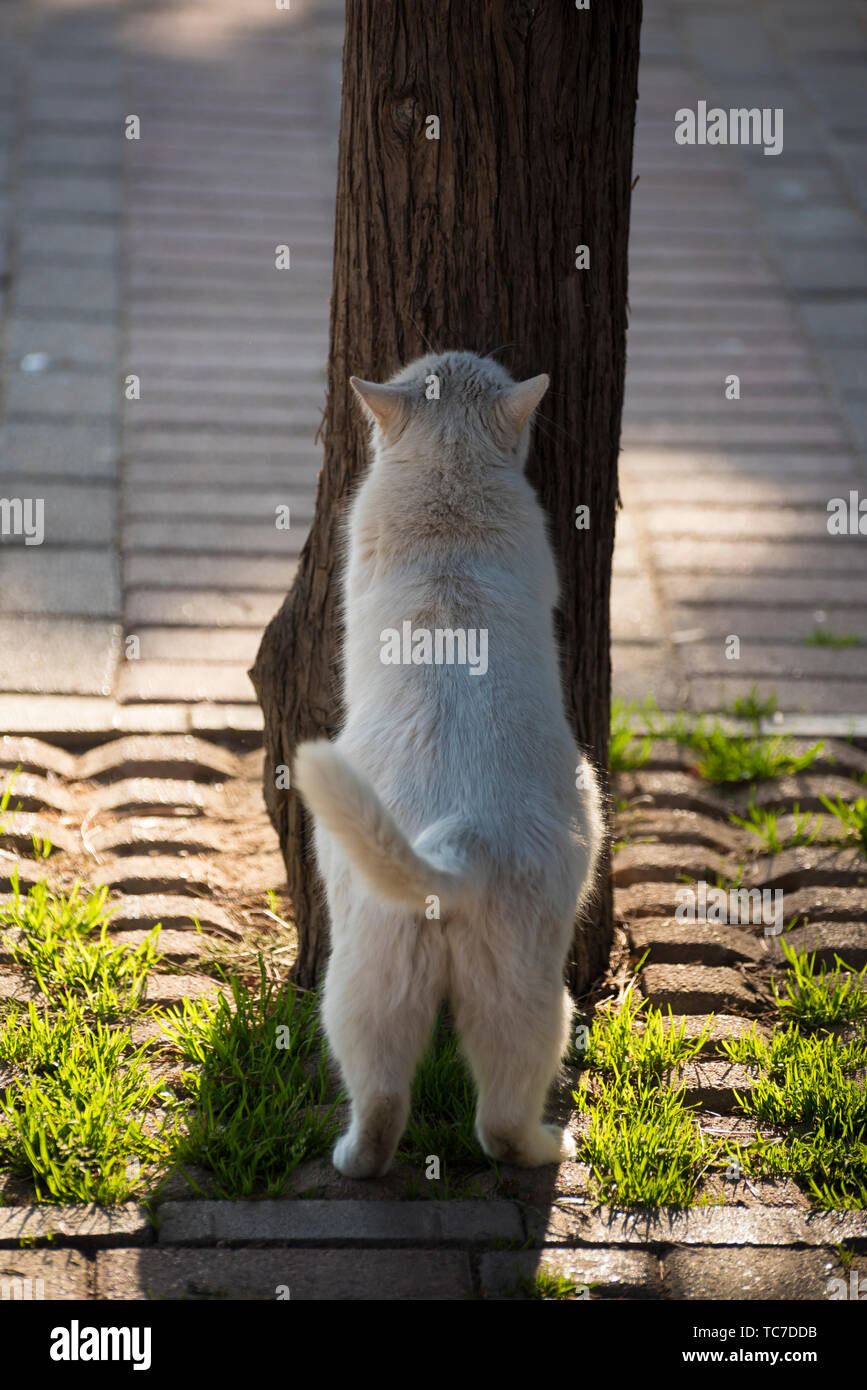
{"x":566,"y":1146}
{"x":353,"y":1161}
{"x":545,"y":1144}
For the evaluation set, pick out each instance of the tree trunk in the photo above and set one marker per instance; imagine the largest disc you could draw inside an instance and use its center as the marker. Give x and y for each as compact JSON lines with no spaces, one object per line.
{"x":469,"y":241}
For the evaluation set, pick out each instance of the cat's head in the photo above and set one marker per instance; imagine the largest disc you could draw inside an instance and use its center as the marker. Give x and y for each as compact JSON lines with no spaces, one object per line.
{"x":452,"y":405}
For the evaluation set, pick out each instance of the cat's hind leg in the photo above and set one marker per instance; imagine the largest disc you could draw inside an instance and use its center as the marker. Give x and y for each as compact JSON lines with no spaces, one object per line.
{"x":513,"y":1016}
{"x":384,"y":983}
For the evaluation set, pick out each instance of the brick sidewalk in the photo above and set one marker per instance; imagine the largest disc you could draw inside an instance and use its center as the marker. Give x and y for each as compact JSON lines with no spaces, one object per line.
{"x":176,"y":828}
{"x":155,"y":258}
{"x":754,"y":265}
{"x":382,"y":1250}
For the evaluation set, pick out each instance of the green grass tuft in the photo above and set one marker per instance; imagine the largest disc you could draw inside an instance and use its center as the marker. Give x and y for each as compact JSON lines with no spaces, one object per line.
{"x":730,"y":758}
{"x":261,"y":1100}
{"x":73,"y":1121}
{"x":852,"y":816}
{"x":642,"y":1144}
{"x":752,"y":706}
{"x":825,"y":637}
{"x":820,"y":997}
{"x":547,"y":1286}
{"x":443,"y":1105}
{"x":764,"y":824}
{"x":617,"y":1046}
{"x":626,"y":752}
{"x":61,"y":940}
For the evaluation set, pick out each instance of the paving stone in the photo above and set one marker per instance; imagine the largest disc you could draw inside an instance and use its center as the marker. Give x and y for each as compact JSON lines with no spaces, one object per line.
{"x":176,"y":570}
{"x":675,"y":827}
{"x":832,"y":266}
{"x":172,"y":945}
{"x":575,"y":1223}
{"x":139,"y":794}
{"x":813,"y":223}
{"x":321,"y":1222}
{"x":739,"y":432}
{"x":75,"y":448}
{"x":198,"y":534}
{"x":658,"y":900}
{"x":720,"y":1028}
{"x":640,"y":485}
{"x":60,"y":394}
{"x":68,"y":238}
{"x":35,"y":755}
{"x":173,"y":911}
{"x":35,"y":793}
{"x":764,"y":623}
{"x":86,"y":1225}
{"x":15,"y":986}
{"x":179,"y":680}
{"x":205,"y":447}
{"x":809,"y":865}
{"x":152,"y":1032}
{"x":706,"y":943}
{"x":76,"y":717}
{"x":242,"y":719}
{"x":818,"y":725}
{"x":679,"y":791}
{"x":297,"y":1275}
{"x":692,"y":520}
{"x":837,"y":554}
{"x":142,"y":874}
{"x":769,"y":1274}
{"x":848,"y":370}
{"x":167,"y":756}
{"x":50,"y":1275}
{"x":635,"y":613}
{"x":170,"y":991}
{"x":713,"y":1084}
{"x":197,"y":645}
{"x":822,"y":591}
{"x":825,"y":940}
{"x":790,"y":663}
{"x":80,"y":515}
{"x":827,"y":904}
{"x":662,"y":863}
{"x":71,"y":582}
{"x":70,"y":340}
{"x":58,"y":656}
{"x":836,"y":322}
{"x":182,"y":409}
{"x":201,"y":505}
{"x":595,"y":1273}
{"x":94,"y":194}
{"x":18,"y":833}
{"x":171,"y":835}
{"x":693,"y":989}
{"x":66,"y":289}
{"x":203,"y":609}
{"x":639,"y":671}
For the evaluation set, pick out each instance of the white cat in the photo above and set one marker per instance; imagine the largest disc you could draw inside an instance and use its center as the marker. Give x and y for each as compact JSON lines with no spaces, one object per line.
{"x":451,"y":790}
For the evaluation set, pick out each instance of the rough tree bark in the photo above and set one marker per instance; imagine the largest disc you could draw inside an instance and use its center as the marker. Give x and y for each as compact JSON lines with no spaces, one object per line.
{"x":469,"y":241}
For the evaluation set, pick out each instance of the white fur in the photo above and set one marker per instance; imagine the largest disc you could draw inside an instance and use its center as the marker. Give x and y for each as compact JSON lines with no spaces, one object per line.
{"x":448,"y":785}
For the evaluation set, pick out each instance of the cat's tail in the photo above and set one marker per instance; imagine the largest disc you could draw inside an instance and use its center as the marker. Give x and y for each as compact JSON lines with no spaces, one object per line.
{"x":348,"y":806}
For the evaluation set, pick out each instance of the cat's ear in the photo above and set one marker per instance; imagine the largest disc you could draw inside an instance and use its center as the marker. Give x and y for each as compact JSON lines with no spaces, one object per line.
{"x":517,"y":403}
{"x":385,"y":403}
